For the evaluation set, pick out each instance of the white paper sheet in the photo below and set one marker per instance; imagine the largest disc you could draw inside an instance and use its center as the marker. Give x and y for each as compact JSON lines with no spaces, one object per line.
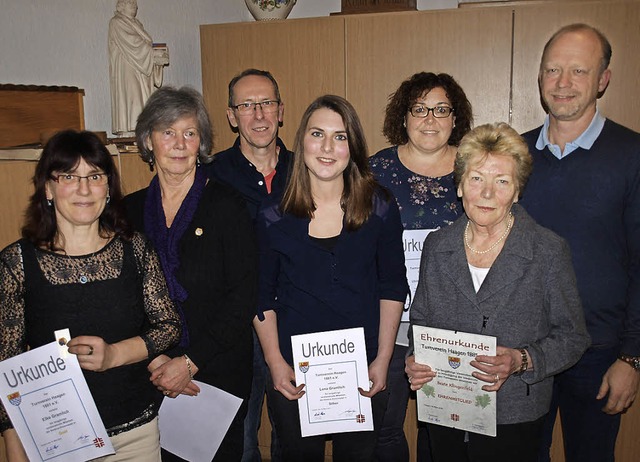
{"x":192,"y":427}
{"x":413,"y":240}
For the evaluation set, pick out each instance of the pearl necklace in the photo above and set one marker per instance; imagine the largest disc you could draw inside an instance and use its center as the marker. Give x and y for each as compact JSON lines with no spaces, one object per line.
{"x":493,"y":246}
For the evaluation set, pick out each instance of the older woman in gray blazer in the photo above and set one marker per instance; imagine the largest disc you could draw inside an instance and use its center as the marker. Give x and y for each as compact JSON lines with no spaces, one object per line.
{"x":496,"y":272}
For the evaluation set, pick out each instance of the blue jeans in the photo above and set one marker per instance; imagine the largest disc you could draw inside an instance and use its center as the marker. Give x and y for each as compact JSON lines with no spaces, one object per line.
{"x":392,"y":444}
{"x":254,"y":413}
{"x":589,"y":434}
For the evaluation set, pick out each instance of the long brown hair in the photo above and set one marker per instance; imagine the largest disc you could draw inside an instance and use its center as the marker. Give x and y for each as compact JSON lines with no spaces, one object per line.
{"x":359,"y":185}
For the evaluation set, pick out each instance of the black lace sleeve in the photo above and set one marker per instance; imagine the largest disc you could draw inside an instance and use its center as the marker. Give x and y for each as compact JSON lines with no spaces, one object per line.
{"x":11,"y":311}
{"x":164,"y":320}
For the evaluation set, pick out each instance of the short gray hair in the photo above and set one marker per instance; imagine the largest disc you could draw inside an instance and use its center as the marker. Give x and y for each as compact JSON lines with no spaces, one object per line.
{"x":164,"y":107}
{"x":497,"y":139}
{"x":248,"y":72}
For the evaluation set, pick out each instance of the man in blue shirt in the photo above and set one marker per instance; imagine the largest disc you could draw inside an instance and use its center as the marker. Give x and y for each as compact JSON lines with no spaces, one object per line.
{"x":256,"y":165}
{"x":585,"y":186}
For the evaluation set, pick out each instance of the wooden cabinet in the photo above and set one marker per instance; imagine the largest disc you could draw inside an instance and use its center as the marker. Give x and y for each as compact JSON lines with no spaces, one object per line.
{"x":385,"y":49}
{"x":532,"y":27}
{"x":305,"y":56}
{"x":492,"y":50}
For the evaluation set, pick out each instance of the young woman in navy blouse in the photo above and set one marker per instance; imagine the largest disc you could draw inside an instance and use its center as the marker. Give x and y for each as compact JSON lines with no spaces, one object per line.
{"x":331,"y":257}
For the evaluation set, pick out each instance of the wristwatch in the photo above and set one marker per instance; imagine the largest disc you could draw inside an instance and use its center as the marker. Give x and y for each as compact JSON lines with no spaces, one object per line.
{"x":633,"y":361}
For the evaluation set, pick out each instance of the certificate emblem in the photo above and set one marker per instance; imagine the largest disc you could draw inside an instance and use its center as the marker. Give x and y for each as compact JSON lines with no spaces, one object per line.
{"x":15,"y":398}
{"x":304,"y":367}
{"x":454,"y":362}
{"x":360,"y":418}
{"x":98,"y":442}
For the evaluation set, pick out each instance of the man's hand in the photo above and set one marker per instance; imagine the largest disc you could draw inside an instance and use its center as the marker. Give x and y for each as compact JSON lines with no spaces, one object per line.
{"x":621,"y":384}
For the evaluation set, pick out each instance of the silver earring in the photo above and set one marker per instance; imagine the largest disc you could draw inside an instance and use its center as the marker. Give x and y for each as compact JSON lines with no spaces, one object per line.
{"x":198,"y":161}
{"x":108,"y":198}
{"x":50,"y":202}
{"x":151,"y":162}
{"x":404,"y":123}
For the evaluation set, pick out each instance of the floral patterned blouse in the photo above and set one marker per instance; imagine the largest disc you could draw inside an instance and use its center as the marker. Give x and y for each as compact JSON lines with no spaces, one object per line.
{"x":424,"y":202}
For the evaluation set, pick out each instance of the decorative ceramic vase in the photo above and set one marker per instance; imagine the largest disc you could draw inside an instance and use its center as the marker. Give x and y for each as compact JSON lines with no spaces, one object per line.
{"x":266,"y":10}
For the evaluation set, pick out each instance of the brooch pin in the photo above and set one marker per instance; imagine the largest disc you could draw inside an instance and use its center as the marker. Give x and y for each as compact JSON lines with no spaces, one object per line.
{"x":199,"y":232}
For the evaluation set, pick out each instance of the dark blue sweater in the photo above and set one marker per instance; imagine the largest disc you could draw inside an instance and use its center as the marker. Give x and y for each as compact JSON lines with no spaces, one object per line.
{"x":313,"y":289}
{"x":592,"y":199}
{"x":231,"y":167}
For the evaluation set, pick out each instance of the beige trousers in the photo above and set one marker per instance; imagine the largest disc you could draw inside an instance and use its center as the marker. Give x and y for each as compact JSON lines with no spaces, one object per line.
{"x":142,"y":444}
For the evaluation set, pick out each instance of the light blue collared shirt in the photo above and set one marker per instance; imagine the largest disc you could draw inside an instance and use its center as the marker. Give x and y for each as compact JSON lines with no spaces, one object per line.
{"x":584,"y":141}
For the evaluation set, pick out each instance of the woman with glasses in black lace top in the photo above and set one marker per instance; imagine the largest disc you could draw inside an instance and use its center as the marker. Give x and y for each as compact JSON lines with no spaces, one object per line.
{"x":79,"y":266}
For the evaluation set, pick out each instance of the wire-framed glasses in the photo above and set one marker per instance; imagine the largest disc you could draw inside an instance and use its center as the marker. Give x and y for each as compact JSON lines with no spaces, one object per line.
{"x":68,"y":179}
{"x":249,"y":107}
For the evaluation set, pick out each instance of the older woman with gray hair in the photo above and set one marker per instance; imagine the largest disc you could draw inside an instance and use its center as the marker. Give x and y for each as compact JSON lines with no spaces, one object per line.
{"x":496,"y":272}
{"x":204,"y":237}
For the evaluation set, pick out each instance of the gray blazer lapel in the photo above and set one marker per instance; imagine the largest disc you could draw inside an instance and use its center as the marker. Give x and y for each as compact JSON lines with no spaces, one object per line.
{"x":508,"y":267}
{"x":453,"y":261}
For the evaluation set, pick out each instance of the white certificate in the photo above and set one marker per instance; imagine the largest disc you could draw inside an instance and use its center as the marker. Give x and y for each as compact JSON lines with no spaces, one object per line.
{"x":332,"y":365}
{"x":50,"y":406}
{"x":454,"y":398}
{"x":413,"y":240}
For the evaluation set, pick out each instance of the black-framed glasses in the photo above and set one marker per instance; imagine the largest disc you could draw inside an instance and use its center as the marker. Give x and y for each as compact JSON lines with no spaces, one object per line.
{"x":267,"y":107}
{"x":68,"y":179}
{"x":439,"y":112}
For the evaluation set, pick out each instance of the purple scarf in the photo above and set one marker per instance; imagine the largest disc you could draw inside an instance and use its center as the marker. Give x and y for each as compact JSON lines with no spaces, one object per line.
{"x":167,"y":240}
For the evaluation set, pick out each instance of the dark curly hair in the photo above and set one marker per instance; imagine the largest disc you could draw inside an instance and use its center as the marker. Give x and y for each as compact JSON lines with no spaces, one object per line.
{"x":409,"y":92}
{"x":62,"y":153}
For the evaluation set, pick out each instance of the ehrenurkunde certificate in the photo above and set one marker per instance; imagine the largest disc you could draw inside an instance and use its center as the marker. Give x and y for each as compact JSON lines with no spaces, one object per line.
{"x":454,"y":398}
{"x":51,"y":407}
{"x":332,"y":365}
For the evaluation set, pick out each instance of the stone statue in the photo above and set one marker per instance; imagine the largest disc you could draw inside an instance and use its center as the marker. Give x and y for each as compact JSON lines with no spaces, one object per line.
{"x":135,"y":67}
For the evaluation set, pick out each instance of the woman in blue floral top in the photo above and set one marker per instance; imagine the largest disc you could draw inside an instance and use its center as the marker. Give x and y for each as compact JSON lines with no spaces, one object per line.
{"x":425,"y":120}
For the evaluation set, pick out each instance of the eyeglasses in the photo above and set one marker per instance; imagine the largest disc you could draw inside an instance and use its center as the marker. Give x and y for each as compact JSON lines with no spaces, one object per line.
{"x":95,"y":179}
{"x":439,"y":112}
{"x":266,"y":106}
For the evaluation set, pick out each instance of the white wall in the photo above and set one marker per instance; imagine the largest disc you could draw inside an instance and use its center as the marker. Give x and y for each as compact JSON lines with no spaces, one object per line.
{"x":64,"y":42}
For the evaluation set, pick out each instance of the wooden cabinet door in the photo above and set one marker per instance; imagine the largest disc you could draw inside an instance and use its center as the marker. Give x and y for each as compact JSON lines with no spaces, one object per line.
{"x":474,"y":46}
{"x":306,"y":57}
{"x":534,"y":25}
